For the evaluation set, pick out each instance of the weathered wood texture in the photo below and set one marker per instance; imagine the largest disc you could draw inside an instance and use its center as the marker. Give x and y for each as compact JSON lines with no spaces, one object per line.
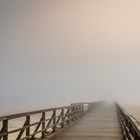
{"x":100,"y":124}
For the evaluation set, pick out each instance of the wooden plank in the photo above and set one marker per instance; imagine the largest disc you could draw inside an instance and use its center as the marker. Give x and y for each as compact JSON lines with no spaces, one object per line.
{"x":100,"y":124}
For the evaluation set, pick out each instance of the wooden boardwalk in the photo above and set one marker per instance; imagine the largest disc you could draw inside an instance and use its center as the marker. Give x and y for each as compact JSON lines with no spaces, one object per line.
{"x":78,"y":121}
{"x":100,"y":124}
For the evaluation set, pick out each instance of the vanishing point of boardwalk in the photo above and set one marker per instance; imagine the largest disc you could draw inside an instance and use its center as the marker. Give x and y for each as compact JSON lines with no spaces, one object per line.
{"x":79,"y":121}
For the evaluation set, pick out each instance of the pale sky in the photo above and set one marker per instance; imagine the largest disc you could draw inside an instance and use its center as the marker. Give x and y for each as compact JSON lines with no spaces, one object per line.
{"x":54,"y":52}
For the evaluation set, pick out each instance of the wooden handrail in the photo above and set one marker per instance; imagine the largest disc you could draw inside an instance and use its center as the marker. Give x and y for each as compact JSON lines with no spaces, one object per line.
{"x":18,"y":115}
{"x":60,"y":117}
{"x":130,"y":126}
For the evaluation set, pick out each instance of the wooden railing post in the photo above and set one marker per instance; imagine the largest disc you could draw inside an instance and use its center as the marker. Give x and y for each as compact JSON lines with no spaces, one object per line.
{"x":28,"y":128}
{"x":43,"y":125}
{"x":68,"y":122}
{"x":72,"y":112}
{"x":82,"y":108}
{"x":62,"y":125}
{"x":54,"y":120}
{"x":76,"y":112}
{"x":79,"y":114}
{"x":5,"y":129}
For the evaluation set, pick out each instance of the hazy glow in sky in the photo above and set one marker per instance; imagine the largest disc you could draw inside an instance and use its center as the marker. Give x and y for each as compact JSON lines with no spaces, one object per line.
{"x":69,"y":50}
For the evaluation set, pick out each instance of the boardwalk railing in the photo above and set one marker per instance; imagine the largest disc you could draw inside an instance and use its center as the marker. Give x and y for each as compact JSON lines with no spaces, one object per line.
{"x":50,"y":120}
{"x":130,"y":126}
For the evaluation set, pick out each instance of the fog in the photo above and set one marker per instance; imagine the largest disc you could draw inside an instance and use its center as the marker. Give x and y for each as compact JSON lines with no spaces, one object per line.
{"x":54,"y":52}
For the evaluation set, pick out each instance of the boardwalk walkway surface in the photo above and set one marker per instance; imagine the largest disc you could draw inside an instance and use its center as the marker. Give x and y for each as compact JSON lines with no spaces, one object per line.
{"x":100,"y":124}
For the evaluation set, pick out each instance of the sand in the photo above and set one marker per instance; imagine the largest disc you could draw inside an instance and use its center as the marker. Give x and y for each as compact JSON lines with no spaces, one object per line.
{"x":133,"y":110}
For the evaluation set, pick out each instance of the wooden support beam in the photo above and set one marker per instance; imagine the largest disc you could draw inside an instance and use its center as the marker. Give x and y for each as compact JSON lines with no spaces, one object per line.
{"x":5,"y":129}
